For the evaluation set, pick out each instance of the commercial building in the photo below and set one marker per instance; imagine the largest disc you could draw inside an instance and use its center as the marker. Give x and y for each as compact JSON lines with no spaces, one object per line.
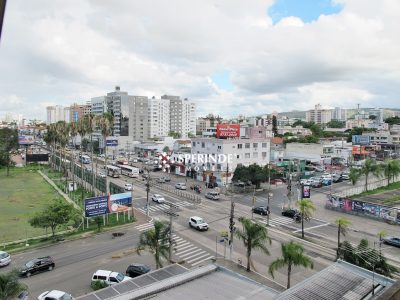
{"x":318,"y":153}
{"x":99,"y":105}
{"x":55,"y":114}
{"x":236,"y":151}
{"x":209,"y":121}
{"x":118,"y":105}
{"x":77,"y":111}
{"x":319,"y":115}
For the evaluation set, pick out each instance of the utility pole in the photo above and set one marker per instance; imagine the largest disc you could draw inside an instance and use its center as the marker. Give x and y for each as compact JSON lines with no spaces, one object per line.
{"x":147,"y":191}
{"x":171,"y":212}
{"x":231,"y":228}
{"x":269,"y":192}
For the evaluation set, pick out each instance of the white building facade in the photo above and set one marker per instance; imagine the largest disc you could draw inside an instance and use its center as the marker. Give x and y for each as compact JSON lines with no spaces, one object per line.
{"x":159,"y":117}
{"x":319,"y":115}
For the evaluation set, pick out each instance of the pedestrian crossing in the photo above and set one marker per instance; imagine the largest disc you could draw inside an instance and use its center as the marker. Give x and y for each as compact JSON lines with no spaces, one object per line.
{"x":155,"y":207}
{"x":183,"y":249}
{"x":278,"y":221}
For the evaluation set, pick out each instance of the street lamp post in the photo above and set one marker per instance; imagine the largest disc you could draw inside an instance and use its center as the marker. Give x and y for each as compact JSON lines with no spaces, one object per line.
{"x":270,"y":195}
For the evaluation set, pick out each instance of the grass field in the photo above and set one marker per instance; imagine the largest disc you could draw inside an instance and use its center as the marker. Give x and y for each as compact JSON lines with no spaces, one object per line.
{"x":22,"y":194}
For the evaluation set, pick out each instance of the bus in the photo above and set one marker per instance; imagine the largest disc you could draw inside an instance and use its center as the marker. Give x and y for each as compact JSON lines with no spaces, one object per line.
{"x":129,"y":171}
{"x":85,"y":159}
{"x":113,"y":171}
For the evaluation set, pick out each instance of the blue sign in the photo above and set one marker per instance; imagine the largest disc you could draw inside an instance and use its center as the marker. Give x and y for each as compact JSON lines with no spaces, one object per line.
{"x":360,"y":139}
{"x":111,"y":143}
{"x":96,"y":206}
{"x":75,"y":116}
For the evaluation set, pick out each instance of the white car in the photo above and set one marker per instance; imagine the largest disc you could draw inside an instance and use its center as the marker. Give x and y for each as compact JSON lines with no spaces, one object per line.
{"x":128,"y":187}
{"x":5,"y":259}
{"x":55,"y":295}
{"x":198,"y":223}
{"x":180,"y":186}
{"x":109,"y":277}
{"x":158,"y":198}
{"x":102,"y":175}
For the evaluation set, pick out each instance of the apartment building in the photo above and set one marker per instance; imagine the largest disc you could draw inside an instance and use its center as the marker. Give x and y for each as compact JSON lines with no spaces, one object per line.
{"x":319,"y":115}
{"x":56,"y":113}
{"x":77,"y":111}
{"x":209,"y":121}
{"x":182,"y":115}
{"x":158,"y":117}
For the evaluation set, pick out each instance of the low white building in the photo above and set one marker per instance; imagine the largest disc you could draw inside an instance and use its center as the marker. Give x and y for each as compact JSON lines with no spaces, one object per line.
{"x":298,"y":130}
{"x":229,"y":153}
{"x":309,"y":151}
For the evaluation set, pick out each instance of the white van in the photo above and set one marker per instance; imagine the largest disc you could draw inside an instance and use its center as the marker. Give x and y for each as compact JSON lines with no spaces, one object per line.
{"x":109,"y":277}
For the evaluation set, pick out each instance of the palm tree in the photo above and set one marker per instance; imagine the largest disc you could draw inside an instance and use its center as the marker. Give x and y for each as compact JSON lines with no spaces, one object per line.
{"x":292,"y":255}
{"x":62,"y":130}
{"x":105,"y":126}
{"x":307,"y":208}
{"x":157,"y":241}
{"x":73,"y":131}
{"x":370,"y":166}
{"x":50,"y":139}
{"x":10,"y":287}
{"x":343,"y":224}
{"x":90,"y":126}
{"x":391,"y":168}
{"x":354,"y":175}
{"x":82,"y":130}
{"x":254,"y":236}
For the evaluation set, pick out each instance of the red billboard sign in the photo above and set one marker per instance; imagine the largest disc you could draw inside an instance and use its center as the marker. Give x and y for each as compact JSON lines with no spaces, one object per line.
{"x":228,"y":130}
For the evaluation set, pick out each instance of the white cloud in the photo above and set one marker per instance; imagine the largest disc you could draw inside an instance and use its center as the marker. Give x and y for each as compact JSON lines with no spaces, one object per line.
{"x":61,"y":52}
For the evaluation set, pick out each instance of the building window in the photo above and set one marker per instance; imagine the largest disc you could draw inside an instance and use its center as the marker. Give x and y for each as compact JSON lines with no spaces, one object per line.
{"x":255,"y":145}
{"x":238,"y":156}
{"x":219,"y":147}
{"x":247,"y":145}
{"x":239,"y":146}
{"x":247,"y":155}
{"x":203,"y":145}
{"x":194,"y":144}
{"x":264,"y":145}
{"x":255,"y":154}
{"x":264,"y":154}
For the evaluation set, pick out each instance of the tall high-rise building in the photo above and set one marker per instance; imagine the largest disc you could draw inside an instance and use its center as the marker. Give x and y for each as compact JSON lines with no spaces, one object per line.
{"x":159,"y":117}
{"x":182,"y":115}
{"x":319,"y":115}
{"x":77,"y":111}
{"x":139,"y":118}
{"x":98,"y":105}
{"x":118,"y":105}
{"x":55,"y":114}
{"x":339,"y":114}
{"x":67,"y":114}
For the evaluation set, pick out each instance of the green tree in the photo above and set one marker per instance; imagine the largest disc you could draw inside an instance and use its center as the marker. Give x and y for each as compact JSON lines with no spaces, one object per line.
{"x":354,"y":175}
{"x":292,"y":255}
{"x":157,"y":241}
{"x":274,"y":125}
{"x":56,"y":214}
{"x":8,"y":142}
{"x":10,"y":287}
{"x":391,"y":169}
{"x":393,"y":120}
{"x":175,"y":135}
{"x":370,"y":166}
{"x":336,"y":124}
{"x":254,"y":236}
{"x":343,"y":225}
{"x":306,"y":208}
{"x":166,"y":149}
{"x":241,"y":174}
{"x":73,"y":131}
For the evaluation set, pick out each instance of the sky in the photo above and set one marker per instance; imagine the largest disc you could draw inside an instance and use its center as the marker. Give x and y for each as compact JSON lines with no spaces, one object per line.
{"x":229,"y":56}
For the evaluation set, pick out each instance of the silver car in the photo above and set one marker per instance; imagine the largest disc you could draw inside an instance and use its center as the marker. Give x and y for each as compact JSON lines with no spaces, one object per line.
{"x":5,"y":259}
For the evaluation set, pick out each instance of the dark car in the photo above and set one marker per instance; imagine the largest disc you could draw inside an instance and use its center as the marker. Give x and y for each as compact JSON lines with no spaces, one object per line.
{"x":261,"y":210}
{"x":391,"y":240}
{"x":290,"y":213}
{"x":135,"y":270}
{"x":37,"y":265}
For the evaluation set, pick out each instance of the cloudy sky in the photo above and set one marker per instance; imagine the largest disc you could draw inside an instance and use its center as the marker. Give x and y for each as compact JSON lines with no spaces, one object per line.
{"x":230,"y":56}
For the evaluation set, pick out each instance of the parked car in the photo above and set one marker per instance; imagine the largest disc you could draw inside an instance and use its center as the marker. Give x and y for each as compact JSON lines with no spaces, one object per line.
{"x":316,"y":183}
{"x":158,"y":198}
{"x":277,"y":181}
{"x":345,"y":176}
{"x":336,"y":178}
{"x":239,"y":184}
{"x":5,"y":259}
{"x":135,"y":270}
{"x":326,"y":181}
{"x":180,"y":186}
{"x":102,"y":175}
{"x":261,"y":210}
{"x":24,"y":295}
{"x":391,"y":240}
{"x":290,"y":213}
{"x":128,"y":187}
{"x":211,"y":185}
{"x":109,"y":277}
{"x":212,"y":195}
{"x":37,"y":265}
{"x":160,"y":180}
{"x":55,"y":295}
{"x":198,"y":223}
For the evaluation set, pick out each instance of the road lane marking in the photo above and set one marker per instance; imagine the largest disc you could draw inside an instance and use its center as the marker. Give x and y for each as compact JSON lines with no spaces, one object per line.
{"x":313,"y":227}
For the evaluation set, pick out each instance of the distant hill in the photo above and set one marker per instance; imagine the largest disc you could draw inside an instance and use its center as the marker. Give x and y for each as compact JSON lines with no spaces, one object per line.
{"x":295,"y":114}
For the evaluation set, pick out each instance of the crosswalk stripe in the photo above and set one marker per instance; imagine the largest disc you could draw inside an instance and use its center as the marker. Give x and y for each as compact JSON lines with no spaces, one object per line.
{"x":190,"y":249}
{"x":190,"y":253}
{"x":207,"y":258}
{"x":144,"y":225}
{"x":176,"y":238}
{"x":183,"y":246}
{"x":180,"y":245}
{"x":197,"y":258}
{"x":194,"y":254}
